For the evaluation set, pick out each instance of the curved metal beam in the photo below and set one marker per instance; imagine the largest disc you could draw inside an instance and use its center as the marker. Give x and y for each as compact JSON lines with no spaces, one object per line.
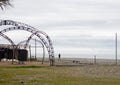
{"x":6,"y":37}
{"x":29,"y":38}
{"x":43,"y":49}
{"x":37,"y":41}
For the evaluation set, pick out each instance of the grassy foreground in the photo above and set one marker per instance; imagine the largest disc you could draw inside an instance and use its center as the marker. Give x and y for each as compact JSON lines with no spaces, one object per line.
{"x":45,"y":75}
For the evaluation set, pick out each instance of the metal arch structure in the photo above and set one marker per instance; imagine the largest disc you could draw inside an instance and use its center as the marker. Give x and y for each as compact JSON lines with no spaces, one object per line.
{"x":48,"y":46}
{"x":14,"y":23}
{"x":17,"y":46}
{"x":40,"y":34}
{"x":7,"y":38}
{"x":33,"y":33}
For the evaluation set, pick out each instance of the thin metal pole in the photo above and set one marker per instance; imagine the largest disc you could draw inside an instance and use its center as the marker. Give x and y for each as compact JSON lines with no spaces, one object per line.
{"x":13,"y":55}
{"x":35,"y":49}
{"x":116,"y":48}
{"x":30,"y":51}
{"x":43,"y":54}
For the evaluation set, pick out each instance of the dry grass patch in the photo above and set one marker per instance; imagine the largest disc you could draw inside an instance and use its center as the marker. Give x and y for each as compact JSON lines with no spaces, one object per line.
{"x":46,"y":75}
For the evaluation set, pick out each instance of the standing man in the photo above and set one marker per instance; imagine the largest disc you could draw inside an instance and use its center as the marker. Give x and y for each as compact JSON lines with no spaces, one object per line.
{"x":59,"y":55}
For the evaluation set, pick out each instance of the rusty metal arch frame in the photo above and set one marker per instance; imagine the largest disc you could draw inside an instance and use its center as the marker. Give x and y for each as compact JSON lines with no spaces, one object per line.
{"x":31,"y":31}
{"x":22,"y":26}
{"x":15,"y":23}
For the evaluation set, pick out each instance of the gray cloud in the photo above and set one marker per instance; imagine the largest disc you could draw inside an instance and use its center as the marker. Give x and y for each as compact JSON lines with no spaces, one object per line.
{"x":84,"y":42}
{"x":83,"y":23}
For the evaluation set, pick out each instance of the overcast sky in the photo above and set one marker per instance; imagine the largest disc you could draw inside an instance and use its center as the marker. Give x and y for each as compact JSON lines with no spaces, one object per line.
{"x":78,"y":28}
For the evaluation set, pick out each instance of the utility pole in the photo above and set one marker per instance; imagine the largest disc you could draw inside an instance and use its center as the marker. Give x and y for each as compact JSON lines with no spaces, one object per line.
{"x":116,"y":48}
{"x":95,"y":59}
